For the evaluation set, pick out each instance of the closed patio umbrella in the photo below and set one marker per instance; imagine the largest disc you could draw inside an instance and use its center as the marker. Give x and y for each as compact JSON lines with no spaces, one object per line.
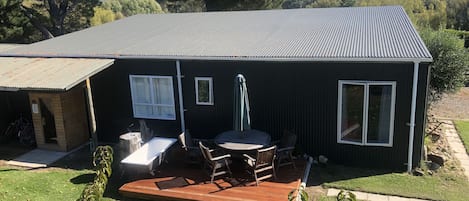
{"x":241,"y":118}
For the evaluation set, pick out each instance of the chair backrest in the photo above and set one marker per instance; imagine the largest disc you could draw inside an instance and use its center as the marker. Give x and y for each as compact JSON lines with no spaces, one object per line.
{"x":145,"y":131}
{"x":205,"y":151}
{"x":182,"y":140}
{"x":288,"y":139}
{"x":265,"y":156}
{"x":185,"y":139}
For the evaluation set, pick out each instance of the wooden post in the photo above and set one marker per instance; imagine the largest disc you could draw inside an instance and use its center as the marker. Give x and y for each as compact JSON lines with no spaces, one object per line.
{"x":94,"y":137}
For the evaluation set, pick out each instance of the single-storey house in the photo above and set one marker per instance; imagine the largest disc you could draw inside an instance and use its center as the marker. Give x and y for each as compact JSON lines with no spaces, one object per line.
{"x":351,"y":82}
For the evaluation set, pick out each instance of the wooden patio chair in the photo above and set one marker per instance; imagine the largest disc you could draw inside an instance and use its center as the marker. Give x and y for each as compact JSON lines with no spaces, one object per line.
{"x":217,"y":164}
{"x":286,"y":146}
{"x":262,"y":163}
{"x":192,"y":151}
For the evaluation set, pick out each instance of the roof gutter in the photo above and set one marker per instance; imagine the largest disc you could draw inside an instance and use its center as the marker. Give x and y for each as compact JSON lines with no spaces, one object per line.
{"x":9,"y":89}
{"x":228,"y":58}
{"x":412,"y":116}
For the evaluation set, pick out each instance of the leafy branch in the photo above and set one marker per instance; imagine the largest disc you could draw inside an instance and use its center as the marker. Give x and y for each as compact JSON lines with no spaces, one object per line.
{"x":102,"y":162}
{"x":301,"y":195}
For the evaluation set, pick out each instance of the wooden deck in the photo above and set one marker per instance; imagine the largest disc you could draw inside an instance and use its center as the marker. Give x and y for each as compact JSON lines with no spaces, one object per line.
{"x":180,"y":182}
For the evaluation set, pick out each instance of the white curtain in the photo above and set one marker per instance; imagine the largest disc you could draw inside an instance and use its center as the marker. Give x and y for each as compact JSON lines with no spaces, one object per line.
{"x":142,"y":90}
{"x":163,"y":87}
{"x":153,"y":97}
{"x":142,"y":94}
{"x":384,"y":114}
{"x":163,"y":97}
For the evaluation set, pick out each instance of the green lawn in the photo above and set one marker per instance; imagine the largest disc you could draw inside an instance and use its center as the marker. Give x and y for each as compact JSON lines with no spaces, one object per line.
{"x":444,"y":185}
{"x":56,"y":184}
{"x":463,"y":130}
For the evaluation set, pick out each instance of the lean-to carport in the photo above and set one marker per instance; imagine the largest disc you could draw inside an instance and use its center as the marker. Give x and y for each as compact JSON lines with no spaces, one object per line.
{"x":58,"y":104}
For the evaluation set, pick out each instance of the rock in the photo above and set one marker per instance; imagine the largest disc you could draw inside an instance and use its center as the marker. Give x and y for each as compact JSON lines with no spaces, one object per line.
{"x":435,"y":137}
{"x":322,"y":159}
{"x":418,"y":172}
{"x":433,"y":166}
{"x":438,"y":159}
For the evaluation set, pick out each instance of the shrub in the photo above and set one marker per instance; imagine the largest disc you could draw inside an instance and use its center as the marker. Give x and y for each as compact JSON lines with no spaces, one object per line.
{"x":450,"y":62}
{"x":102,"y":161}
{"x":303,"y":195}
{"x":346,"y":196}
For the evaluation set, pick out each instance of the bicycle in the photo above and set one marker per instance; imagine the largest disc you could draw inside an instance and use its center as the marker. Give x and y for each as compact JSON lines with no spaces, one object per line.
{"x":22,"y":129}
{"x":26,"y":134}
{"x":10,"y":132}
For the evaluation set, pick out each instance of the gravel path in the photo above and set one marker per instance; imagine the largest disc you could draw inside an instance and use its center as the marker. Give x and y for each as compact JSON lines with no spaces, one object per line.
{"x":453,"y":106}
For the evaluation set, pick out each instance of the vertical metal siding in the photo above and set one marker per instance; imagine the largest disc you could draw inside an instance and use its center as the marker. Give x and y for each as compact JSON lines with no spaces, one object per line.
{"x":297,"y":96}
{"x":113,"y":102}
{"x":301,"y":97}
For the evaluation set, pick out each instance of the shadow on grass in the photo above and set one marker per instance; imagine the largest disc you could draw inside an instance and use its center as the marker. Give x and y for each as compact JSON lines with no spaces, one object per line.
{"x":80,"y":159}
{"x":8,"y":170}
{"x":321,"y":174}
{"x":83,"y":179}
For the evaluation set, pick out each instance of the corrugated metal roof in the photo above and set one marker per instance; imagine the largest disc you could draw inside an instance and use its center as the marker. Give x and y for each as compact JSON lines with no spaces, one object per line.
{"x":47,"y":73}
{"x":8,"y":46}
{"x":329,"y":34}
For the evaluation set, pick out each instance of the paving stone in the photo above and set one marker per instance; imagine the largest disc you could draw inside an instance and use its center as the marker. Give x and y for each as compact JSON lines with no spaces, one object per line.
{"x":457,"y":147}
{"x":332,"y":192}
{"x":415,"y":199}
{"x":360,"y":195}
{"x":377,"y":197}
{"x":37,"y":158}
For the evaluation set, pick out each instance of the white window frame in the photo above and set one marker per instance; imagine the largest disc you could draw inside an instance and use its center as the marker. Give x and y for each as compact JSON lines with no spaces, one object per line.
{"x":210,"y":90}
{"x":152,"y":91}
{"x":366,"y":84}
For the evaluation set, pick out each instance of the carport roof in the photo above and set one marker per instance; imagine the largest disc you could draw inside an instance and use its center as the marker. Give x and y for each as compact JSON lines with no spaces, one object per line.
{"x":47,"y":74}
{"x":9,"y":46}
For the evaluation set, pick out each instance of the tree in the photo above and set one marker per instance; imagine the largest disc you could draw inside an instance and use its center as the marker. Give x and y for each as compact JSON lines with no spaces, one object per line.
{"x":178,"y":6}
{"x":324,"y":4}
{"x":133,"y":7}
{"x":14,"y":26}
{"x":233,"y":5}
{"x":347,"y":3}
{"x":434,"y":14}
{"x":296,"y":3}
{"x":102,"y":16}
{"x":450,"y":62}
{"x":458,"y":14}
{"x":57,"y":17}
{"x":111,"y":10}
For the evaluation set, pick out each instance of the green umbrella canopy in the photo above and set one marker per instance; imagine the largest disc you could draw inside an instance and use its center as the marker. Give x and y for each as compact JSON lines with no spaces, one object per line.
{"x":241,"y":118}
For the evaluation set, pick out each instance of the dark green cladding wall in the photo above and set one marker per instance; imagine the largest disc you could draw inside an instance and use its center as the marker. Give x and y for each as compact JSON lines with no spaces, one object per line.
{"x":112,"y":98}
{"x":297,"y":96}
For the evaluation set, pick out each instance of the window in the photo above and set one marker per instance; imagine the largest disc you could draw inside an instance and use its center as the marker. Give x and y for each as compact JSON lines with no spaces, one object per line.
{"x":152,"y":97}
{"x":203,"y":91}
{"x":366,"y":112}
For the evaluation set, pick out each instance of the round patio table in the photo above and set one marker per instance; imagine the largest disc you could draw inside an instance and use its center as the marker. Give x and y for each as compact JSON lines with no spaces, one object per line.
{"x":243,"y":141}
